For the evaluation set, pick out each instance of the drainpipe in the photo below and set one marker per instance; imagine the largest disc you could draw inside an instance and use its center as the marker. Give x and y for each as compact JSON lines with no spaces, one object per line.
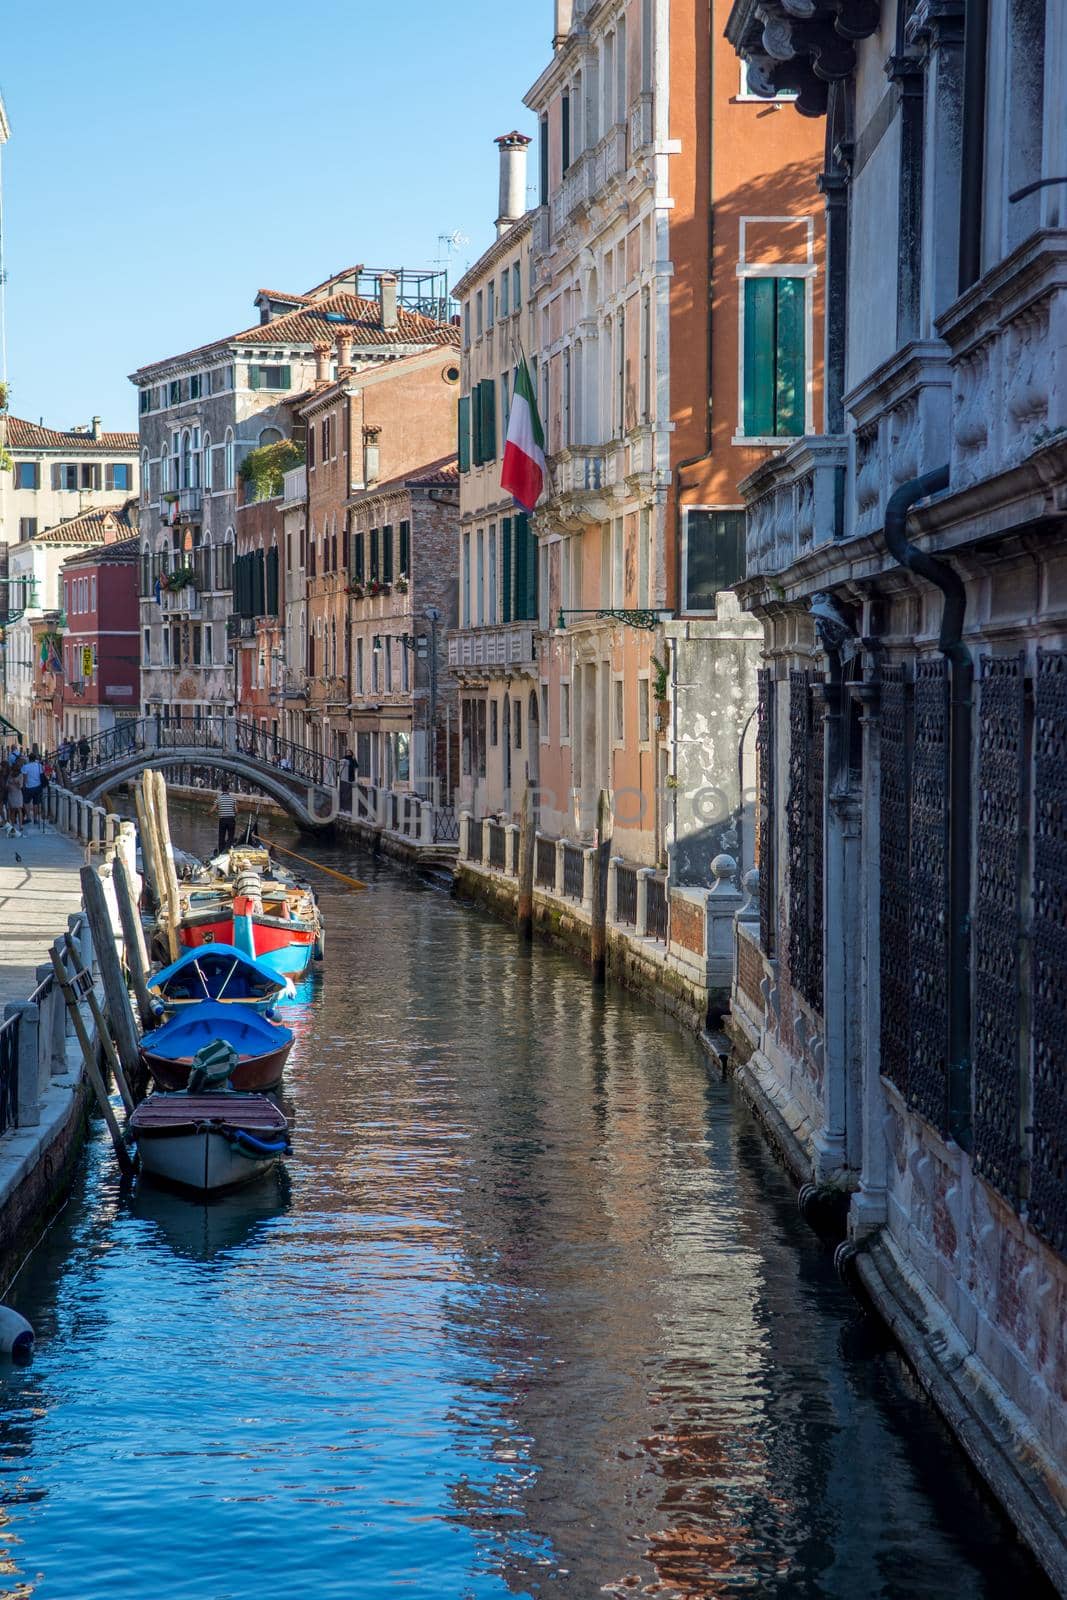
{"x":972,"y":160}
{"x":961,"y":687}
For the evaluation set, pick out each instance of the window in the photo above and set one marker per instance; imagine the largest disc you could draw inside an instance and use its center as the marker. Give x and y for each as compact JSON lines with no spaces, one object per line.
{"x":492,"y":575}
{"x":311,"y":445}
{"x":388,"y":663}
{"x":27,"y":528}
{"x":751,"y":91}
{"x":209,"y":645}
{"x":646,"y":355}
{"x":618,"y":595}
{"x":359,"y":666}
{"x":145,"y":400}
{"x":564,"y":710}
{"x":27,"y":475}
{"x":713,"y":556}
{"x":375,"y":569}
{"x":774,"y":358}
{"x":359,"y":556}
{"x":642,"y":711}
{"x":376,"y":669}
{"x":206,"y":459}
{"x":387,"y":553}
{"x":565,"y":130}
{"x":405,"y":678}
{"x":494,"y":723}
{"x":479,"y":595}
{"x":544,"y":713}
{"x":327,"y":430}
{"x":466,"y":565}
{"x":516,"y":285}
{"x":618,"y":688}
{"x":405,"y":549}
{"x":505,"y":294}
{"x":90,"y":475}
{"x":195,"y":385}
{"x":644,"y":558}
{"x":479,"y":307}
{"x":270,"y":377}
{"x":65,"y":476}
{"x":92,"y":593}
{"x":490,"y":304}
{"x":543,"y":152}
{"x":174,"y":392}
{"x":466,"y":325}
{"x":147,"y":646}
{"x":505,"y":405}
{"x":230,"y":461}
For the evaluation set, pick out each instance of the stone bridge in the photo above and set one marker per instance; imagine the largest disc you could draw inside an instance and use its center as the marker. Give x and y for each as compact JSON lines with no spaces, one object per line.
{"x":305,"y":782}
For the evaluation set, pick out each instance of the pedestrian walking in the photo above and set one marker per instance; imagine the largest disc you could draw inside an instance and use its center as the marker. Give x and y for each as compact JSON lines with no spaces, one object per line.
{"x":32,"y":784}
{"x":83,"y":752}
{"x":226,"y":807}
{"x":13,"y":826}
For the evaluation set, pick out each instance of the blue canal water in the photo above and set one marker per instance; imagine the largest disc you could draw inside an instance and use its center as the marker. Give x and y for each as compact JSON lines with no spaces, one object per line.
{"x":531,"y":1312}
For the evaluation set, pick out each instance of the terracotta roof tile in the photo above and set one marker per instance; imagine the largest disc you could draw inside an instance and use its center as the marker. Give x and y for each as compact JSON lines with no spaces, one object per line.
{"x":311,"y":324}
{"x":23,"y":435}
{"x":91,"y":527}
{"x":442,"y":474}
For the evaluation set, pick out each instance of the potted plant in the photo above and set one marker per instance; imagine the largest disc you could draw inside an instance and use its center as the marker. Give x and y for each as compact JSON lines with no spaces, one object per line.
{"x":402,"y":584}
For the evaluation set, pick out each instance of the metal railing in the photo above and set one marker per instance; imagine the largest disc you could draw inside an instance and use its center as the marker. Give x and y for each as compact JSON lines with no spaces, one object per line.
{"x":9,"y":1073}
{"x":545,"y":863}
{"x":226,"y":734}
{"x":573,"y":871}
{"x":626,"y":895}
{"x":658,"y":914}
{"x":445,"y":825}
{"x":497,"y":846}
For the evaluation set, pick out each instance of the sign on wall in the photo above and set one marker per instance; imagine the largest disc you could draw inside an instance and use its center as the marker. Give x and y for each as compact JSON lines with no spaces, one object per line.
{"x":87,"y":661}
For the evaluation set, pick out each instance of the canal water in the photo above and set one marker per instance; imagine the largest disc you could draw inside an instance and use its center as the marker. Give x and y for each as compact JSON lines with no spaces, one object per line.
{"x":532,"y":1312}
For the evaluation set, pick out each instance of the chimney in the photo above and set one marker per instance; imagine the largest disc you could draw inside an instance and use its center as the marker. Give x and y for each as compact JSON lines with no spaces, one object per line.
{"x":344,"y":350}
{"x":323,"y":352}
{"x":96,"y":428}
{"x":513,"y":147}
{"x":564,"y":12}
{"x":371,"y":455}
{"x":387,"y":301}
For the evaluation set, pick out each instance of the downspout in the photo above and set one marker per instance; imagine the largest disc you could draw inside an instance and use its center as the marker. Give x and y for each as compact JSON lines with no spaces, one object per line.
{"x":961,"y":706}
{"x":972,"y":160}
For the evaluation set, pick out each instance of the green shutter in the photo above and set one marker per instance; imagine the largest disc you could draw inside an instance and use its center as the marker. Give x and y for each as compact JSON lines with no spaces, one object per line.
{"x":505,"y":567}
{"x":253,"y":377}
{"x":488,"y":394}
{"x":374,"y":554}
{"x":465,"y":433}
{"x":477,"y":455}
{"x":359,"y":558}
{"x":522,"y":534}
{"x":528,"y":550}
{"x":405,"y":549}
{"x":287,"y":377}
{"x":760,"y":351}
{"x":791,"y":364}
{"x":272,"y":581}
{"x":387,"y":553}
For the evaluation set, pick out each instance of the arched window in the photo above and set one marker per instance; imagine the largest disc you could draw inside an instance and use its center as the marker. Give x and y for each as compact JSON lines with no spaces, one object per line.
{"x":206,"y":560}
{"x":230,"y":461}
{"x":145,"y":478}
{"x":187,"y":461}
{"x":206,"y":474}
{"x":270,"y":436}
{"x":224,"y":562}
{"x":164,"y":468}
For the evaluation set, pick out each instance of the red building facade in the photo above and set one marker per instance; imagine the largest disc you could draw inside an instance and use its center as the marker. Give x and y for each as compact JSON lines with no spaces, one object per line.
{"x":101,"y":646}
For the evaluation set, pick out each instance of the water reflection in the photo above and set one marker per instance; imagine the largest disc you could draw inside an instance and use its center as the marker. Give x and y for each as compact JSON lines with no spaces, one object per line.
{"x":533,"y":1313}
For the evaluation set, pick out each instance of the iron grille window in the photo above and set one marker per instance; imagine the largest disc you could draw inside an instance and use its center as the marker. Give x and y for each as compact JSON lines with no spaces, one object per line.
{"x":1048,"y":994}
{"x":714,"y":555}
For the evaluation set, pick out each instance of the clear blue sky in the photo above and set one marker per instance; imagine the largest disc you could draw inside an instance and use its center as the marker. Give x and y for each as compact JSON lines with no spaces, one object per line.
{"x":166,"y":162}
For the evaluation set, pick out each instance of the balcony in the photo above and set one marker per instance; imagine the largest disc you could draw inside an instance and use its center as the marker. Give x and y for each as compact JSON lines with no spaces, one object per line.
{"x":240,"y":628}
{"x":584,"y":477}
{"x":486,"y":650}
{"x":641,"y":125}
{"x":1008,"y":362}
{"x":902,"y":416}
{"x":795,"y":503}
{"x":190,"y":504}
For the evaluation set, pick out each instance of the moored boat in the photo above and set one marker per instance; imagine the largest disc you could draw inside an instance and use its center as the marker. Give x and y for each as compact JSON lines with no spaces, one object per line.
{"x":219,"y":973}
{"x":267,"y":914}
{"x":261,"y":1046}
{"x":209,"y":1142}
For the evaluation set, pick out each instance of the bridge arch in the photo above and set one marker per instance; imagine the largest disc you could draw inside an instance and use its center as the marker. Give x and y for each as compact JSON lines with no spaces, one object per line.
{"x":310,"y":805}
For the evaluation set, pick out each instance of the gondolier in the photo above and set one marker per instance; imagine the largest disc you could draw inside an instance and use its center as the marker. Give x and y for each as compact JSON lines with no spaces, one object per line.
{"x":226,"y":807}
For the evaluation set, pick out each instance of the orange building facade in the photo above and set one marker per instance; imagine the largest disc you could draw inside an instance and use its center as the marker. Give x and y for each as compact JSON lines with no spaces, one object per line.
{"x":677,"y":268}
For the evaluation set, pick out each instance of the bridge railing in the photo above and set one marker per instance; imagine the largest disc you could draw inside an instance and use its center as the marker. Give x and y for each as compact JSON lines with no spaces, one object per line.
{"x":227,"y":734}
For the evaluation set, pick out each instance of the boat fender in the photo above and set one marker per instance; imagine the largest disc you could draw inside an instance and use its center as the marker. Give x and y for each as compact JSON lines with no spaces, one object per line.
{"x":277,"y":1147}
{"x":16,"y":1336}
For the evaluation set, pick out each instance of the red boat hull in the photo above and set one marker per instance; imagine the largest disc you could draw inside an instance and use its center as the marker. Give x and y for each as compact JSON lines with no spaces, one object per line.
{"x":252,"y":1074}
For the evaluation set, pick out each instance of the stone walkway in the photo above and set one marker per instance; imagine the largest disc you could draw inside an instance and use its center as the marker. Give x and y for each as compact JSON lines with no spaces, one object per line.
{"x":37,"y":895}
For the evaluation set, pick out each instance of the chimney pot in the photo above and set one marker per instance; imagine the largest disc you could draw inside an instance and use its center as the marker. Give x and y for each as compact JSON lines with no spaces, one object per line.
{"x":513,"y":149}
{"x":96,"y":427}
{"x":387,"y":296}
{"x":344,"y":350}
{"x":323,"y":352}
{"x":564,"y":15}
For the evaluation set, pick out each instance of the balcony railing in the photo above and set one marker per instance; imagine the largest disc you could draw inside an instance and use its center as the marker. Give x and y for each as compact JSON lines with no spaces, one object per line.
{"x":295,"y":484}
{"x":190,"y":504}
{"x":511,"y":645}
{"x":795,"y":502}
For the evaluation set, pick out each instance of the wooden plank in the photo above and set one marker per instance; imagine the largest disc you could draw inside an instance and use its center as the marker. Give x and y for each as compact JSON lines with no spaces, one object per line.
{"x":116,"y":995}
{"x":524,"y":917}
{"x":106,"y":1044}
{"x":92,"y":1071}
{"x":133,"y":939}
{"x":149,"y":860}
{"x":170,"y":875}
{"x":601,"y":856}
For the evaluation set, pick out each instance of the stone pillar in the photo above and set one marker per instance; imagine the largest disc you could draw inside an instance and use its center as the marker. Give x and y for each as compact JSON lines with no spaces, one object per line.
{"x":111,"y":828}
{"x":834,"y":1150}
{"x":29,"y":1096}
{"x":465,"y":823}
{"x":614,"y":864}
{"x":643,"y":875}
{"x":834,"y":186}
{"x":511,"y":849}
{"x":53,"y":1028}
{"x":483,"y":843}
{"x":941,"y":28}
{"x":722,"y":904}
{"x":587,"y":878}
{"x":559,"y":868}
{"x":426,"y":821}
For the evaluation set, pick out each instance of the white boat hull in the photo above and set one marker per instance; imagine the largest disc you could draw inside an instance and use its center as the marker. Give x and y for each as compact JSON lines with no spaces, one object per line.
{"x":203,"y":1160}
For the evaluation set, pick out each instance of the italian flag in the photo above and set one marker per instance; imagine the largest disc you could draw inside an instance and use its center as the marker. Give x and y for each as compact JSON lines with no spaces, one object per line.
{"x":523,"y":472}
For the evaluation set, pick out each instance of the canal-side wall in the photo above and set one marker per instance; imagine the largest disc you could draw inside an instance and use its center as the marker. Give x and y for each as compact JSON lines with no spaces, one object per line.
{"x":976,"y":1299}
{"x":46,"y":1099}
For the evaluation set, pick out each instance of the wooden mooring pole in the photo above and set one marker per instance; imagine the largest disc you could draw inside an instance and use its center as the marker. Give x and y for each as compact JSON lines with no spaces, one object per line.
{"x":527,"y":840}
{"x":92,"y":1071}
{"x":116,"y":995}
{"x":134,"y":942}
{"x":601,"y":853}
